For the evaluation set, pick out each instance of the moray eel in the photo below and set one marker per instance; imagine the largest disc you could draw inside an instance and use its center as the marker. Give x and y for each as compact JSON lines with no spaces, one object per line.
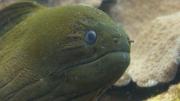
{"x":69,"y":53}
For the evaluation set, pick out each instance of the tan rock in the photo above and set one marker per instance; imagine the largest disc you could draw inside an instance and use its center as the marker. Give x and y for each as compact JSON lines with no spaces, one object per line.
{"x":135,"y":14}
{"x":155,"y":54}
{"x":94,"y":3}
{"x":173,"y":94}
{"x":137,"y":17}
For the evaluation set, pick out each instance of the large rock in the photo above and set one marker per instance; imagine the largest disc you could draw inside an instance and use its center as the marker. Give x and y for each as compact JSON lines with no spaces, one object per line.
{"x":173,"y":94}
{"x":155,"y":55}
{"x":135,"y":14}
{"x":94,"y":3}
{"x":143,"y":19}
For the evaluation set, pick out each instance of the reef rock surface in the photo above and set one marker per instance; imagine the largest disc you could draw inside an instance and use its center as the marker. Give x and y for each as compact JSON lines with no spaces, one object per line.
{"x":173,"y":94}
{"x":135,"y":14}
{"x":155,"y":57}
{"x":94,"y":3}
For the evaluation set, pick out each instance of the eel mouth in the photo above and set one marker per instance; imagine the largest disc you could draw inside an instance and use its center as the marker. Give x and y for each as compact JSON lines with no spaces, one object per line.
{"x":123,"y":55}
{"x":97,"y":74}
{"x":118,"y":57}
{"x":114,"y":61}
{"x":111,"y":63}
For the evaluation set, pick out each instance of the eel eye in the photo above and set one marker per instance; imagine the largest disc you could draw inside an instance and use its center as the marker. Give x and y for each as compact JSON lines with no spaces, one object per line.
{"x":90,"y":37}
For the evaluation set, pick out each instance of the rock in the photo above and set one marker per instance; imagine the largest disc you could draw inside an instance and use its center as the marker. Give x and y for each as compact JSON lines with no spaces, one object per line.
{"x":94,"y":3}
{"x":139,"y":18}
{"x":155,"y":55}
{"x":124,"y":80}
{"x":173,"y":94}
{"x":135,"y":14}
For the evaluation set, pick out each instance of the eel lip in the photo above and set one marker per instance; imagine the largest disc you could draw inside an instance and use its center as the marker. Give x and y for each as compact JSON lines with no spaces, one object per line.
{"x":122,"y":57}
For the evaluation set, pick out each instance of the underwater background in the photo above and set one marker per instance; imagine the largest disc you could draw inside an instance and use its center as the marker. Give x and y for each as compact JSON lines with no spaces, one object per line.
{"x":154,"y":26}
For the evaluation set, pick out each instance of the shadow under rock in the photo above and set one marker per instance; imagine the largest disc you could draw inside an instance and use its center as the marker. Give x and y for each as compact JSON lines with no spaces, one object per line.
{"x":132,"y":92}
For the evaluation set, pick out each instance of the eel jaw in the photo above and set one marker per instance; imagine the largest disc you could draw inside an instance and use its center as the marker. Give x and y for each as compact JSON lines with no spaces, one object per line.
{"x":90,"y":79}
{"x":102,"y":71}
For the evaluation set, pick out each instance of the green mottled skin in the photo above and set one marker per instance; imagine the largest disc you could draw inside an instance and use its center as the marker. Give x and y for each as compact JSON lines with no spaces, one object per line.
{"x":43,"y":57}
